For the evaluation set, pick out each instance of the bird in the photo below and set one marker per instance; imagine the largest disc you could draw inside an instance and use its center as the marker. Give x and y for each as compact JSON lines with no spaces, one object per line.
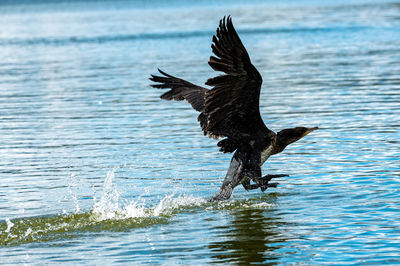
{"x":229,"y":111}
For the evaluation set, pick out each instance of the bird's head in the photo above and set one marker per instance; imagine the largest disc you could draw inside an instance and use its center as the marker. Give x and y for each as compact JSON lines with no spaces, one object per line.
{"x":290,"y":135}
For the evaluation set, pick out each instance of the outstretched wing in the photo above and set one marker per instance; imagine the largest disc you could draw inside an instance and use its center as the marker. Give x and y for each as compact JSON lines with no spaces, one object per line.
{"x":232,"y":106}
{"x":180,"y":90}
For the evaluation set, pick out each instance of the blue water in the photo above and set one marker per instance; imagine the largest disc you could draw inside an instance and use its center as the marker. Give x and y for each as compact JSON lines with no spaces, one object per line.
{"x":96,"y":169}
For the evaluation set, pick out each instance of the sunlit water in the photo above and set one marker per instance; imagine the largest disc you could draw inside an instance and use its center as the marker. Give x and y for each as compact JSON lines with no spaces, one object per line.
{"x":96,"y":169}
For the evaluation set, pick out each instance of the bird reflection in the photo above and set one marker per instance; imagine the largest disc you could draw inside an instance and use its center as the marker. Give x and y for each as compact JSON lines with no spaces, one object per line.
{"x":251,"y":237}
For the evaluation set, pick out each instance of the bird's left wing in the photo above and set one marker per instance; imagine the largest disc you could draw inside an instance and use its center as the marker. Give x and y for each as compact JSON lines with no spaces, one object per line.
{"x":180,"y":90}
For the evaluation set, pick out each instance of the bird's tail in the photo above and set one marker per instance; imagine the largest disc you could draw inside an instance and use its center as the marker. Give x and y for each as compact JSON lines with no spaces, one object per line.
{"x":180,"y":90}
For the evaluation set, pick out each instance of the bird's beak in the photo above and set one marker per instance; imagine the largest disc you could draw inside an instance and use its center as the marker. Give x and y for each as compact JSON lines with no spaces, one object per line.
{"x":310,"y":130}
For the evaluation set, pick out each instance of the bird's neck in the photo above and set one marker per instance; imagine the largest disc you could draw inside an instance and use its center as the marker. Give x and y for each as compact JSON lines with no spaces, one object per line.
{"x":280,"y":144}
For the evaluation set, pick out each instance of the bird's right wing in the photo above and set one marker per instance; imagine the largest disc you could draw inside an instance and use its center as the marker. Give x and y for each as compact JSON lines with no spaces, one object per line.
{"x":232,"y":105}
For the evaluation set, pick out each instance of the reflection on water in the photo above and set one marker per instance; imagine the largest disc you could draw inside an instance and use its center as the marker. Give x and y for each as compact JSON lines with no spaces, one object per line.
{"x":250,"y":237}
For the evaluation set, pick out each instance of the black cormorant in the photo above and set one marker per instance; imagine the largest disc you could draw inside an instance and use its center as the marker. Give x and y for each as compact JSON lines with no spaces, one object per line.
{"x":230,"y":110}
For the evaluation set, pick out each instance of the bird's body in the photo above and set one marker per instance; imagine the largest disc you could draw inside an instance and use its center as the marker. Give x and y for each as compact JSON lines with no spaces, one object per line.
{"x":230,"y":109}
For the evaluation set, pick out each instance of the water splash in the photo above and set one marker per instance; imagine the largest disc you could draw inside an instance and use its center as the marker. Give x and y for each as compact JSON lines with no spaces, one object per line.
{"x":110,"y":206}
{"x":107,"y":214}
{"x":73,"y":193}
{"x":110,"y":213}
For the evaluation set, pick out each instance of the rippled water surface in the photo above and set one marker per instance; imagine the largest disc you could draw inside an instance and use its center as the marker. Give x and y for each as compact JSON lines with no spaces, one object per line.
{"x":96,"y":169}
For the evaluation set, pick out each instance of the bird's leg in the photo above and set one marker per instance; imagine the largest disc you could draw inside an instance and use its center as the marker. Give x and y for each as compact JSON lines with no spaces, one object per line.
{"x":269,"y":177}
{"x":233,"y":178}
{"x":246,"y":184}
{"x":224,"y":193}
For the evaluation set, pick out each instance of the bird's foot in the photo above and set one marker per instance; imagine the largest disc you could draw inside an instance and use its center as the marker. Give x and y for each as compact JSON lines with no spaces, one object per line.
{"x":265,"y":187}
{"x":264,"y":184}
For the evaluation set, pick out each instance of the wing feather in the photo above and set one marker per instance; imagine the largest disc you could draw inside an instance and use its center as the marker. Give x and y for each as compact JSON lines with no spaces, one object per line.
{"x":232,"y":105}
{"x":231,"y":108}
{"x":180,"y":90}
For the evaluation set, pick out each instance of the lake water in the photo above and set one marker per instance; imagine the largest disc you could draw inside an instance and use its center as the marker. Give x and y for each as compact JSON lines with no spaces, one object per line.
{"x":96,"y":169}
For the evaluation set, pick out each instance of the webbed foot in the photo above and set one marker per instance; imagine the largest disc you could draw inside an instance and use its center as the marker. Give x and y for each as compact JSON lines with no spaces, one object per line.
{"x":264,"y":184}
{"x":265,"y":187}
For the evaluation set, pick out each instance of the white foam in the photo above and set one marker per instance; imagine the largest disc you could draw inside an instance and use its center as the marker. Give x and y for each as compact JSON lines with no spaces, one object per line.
{"x":28,"y":232}
{"x":168,"y":204}
{"x":261,"y":205}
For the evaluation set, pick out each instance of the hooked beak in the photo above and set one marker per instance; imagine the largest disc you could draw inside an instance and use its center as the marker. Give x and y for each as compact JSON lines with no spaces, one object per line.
{"x":310,"y":130}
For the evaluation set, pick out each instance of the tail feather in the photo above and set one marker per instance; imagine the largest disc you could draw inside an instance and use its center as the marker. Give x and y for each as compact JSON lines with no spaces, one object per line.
{"x":180,"y":90}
